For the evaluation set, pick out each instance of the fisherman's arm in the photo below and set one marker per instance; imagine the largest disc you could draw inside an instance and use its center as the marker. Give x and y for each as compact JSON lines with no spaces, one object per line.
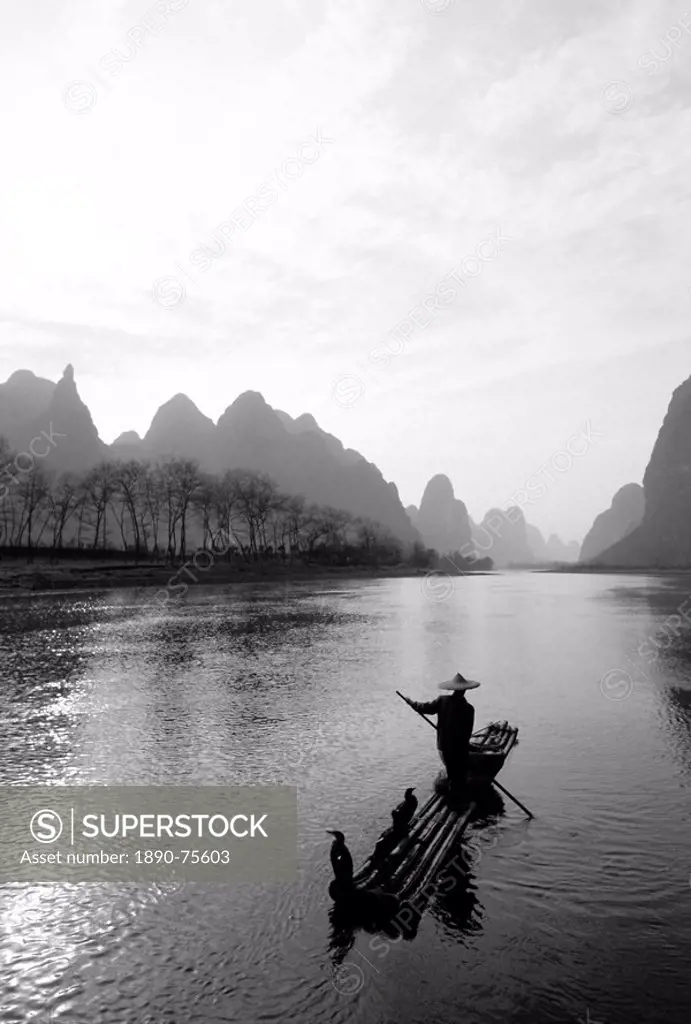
{"x":430,"y":707}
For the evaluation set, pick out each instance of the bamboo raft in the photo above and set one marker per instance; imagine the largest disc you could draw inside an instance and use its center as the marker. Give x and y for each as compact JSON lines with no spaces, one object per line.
{"x":405,"y":861}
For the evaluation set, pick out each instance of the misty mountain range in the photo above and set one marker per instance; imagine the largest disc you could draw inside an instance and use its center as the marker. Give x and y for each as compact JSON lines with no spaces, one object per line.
{"x":646,"y":525}
{"x":503,"y":535}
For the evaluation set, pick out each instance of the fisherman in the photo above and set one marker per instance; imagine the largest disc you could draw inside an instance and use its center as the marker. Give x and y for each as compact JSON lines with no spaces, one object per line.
{"x":456,"y":717}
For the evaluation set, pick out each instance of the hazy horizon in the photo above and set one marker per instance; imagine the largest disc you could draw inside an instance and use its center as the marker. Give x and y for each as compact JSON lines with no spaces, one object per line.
{"x":210,"y":199}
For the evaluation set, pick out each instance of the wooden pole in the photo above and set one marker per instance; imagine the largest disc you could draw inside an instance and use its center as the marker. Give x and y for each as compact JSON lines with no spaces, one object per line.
{"x":512,"y":797}
{"x":410,"y":705}
{"x":494,"y":781}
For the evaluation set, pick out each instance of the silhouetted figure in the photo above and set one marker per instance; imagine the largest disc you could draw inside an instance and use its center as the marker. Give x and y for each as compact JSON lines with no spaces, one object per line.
{"x":455,"y":717}
{"x":403,"y":814}
{"x":341,"y":860}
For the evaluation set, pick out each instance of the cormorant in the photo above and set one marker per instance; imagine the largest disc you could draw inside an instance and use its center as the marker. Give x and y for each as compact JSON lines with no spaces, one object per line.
{"x":341,"y":860}
{"x":404,"y":812}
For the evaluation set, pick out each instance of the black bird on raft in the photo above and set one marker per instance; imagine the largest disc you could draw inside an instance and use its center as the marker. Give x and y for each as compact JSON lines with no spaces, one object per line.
{"x":341,"y":860}
{"x":403,"y":814}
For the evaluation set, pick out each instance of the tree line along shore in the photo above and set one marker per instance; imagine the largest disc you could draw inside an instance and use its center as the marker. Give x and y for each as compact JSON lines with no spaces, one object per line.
{"x":119,"y":516}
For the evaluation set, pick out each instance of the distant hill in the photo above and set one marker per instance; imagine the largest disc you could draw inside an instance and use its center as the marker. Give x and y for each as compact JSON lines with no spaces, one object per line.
{"x":503,"y":537}
{"x":306,"y":422}
{"x":624,"y":515}
{"x":547,"y":552}
{"x":304,"y":459}
{"x":129,"y":439}
{"x":76,"y":444}
{"x":442,"y":519}
{"x":537,"y":544}
{"x":179,"y":428}
{"x":23,"y":397}
{"x":412,"y":512}
{"x":663,"y":538}
{"x":558,"y":551}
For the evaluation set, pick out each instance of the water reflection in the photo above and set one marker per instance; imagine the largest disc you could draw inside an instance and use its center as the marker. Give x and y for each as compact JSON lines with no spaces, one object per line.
{"x":581,"y":907}
{"x":451,"y":896}
{"x":669,"y":644}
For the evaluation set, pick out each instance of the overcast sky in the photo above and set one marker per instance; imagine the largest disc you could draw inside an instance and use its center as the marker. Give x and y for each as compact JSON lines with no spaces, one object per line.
{"x":131,"y":131}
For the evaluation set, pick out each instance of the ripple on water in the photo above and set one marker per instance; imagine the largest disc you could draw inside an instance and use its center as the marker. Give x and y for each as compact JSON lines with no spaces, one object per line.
{"x":579,"y":908}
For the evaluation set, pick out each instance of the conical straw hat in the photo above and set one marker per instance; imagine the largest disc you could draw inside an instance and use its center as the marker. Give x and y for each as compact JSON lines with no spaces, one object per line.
{"x":459,"y":683}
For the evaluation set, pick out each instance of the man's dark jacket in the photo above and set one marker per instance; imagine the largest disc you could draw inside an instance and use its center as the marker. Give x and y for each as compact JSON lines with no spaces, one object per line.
{"x":456,"y":718}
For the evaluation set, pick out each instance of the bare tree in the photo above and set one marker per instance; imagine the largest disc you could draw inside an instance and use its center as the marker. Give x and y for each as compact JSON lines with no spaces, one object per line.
{"x":32,"y":490}
{"x":181,"y":480}
{"x":313,"y":528}
{"x":367,"y":533}
{"x":280,"y":524}
{"x":295,"y":518}
{"x":153,"y":497}
{"x":204,"y":502}
{"x":9,"y":519}
{"x":226,"y":516}
{"x":169,"y":495}
{"x":257,"y":497}
{"x":82,"y":510}
{"x":128,"y":479}
{"x":6,"y":459}
{"x":336,"y":523}
{"x":99,"y":491}
{"x":63,"y":499}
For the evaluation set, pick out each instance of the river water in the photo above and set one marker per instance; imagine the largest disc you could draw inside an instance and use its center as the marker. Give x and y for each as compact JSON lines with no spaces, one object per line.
{"x":583,"y":914}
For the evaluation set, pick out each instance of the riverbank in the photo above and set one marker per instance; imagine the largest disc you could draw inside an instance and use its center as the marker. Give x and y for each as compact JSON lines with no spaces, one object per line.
{"x":18,"y":576}
{"x":619,"y":570}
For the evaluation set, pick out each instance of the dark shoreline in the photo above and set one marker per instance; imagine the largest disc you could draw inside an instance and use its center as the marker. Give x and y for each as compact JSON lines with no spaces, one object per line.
{"x":42,"y":576}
